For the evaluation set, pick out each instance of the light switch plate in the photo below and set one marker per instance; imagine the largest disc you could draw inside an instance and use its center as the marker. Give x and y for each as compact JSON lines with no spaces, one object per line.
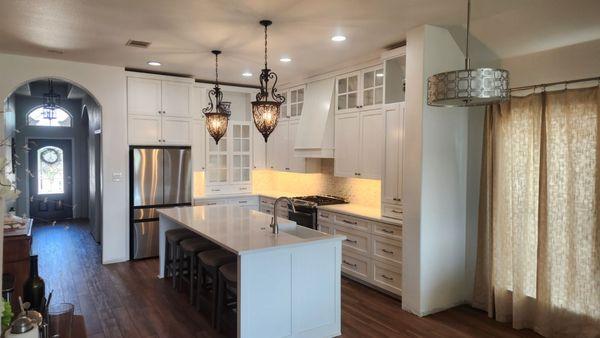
{"x":117,"y":176}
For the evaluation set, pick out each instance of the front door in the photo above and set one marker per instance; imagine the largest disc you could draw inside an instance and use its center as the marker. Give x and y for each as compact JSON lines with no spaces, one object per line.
{"x":50,"y":179}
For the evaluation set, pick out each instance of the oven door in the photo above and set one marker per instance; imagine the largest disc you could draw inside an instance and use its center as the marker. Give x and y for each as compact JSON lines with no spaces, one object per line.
{"x":304,"y":216}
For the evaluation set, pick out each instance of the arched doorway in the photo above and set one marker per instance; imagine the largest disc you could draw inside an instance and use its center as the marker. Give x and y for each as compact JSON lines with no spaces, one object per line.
{"x":55,"y":152}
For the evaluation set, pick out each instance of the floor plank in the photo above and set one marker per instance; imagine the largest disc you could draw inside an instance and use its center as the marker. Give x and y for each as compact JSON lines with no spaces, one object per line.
{"x":127,"y":300}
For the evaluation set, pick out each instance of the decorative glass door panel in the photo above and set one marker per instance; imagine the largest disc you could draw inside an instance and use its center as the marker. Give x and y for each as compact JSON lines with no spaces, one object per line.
{"x":217,"y":160}
{"x":373,"y":87}
{"x":347,"y":92}
{"x":296,"y":102}
{"x":241,"y":153}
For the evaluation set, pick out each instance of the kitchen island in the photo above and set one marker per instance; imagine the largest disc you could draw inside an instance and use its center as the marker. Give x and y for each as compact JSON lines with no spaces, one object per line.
{"x":288,"y":284}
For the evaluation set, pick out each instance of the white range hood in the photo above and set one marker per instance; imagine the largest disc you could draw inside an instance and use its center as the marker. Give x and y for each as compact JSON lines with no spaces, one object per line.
{"x":314,"y":137}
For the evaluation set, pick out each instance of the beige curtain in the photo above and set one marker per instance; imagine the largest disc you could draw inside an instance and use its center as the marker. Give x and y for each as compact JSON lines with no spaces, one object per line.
{"x":538,"y":263}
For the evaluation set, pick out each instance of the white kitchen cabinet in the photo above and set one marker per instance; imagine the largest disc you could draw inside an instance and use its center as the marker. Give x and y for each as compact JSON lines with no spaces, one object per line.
{"x":176,"y":98}
{"x":371,"y":144}
{"x":228,"y":163}
{"x":198,"y":145}
{"x":259,"y":149}
{"x":394,"y":148}
{"x":360,"y":90}
{"x":296,"y":96}
{"x":143,"y":96}
{"x":359,"y":144}
{"x":198,"y":101}
{"x":277,"y":147}
{"x":176,"y":131}
{"x":280,"y":150}
{"x":158,"y":111}
{"x":144,"y":130}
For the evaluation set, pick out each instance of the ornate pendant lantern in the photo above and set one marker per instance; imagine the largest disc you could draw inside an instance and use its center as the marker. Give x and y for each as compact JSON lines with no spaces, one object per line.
{"x":468,"y":87}
{"x":217,"y":113}
{"x":265,"y":110}
{"x":51,"y":101}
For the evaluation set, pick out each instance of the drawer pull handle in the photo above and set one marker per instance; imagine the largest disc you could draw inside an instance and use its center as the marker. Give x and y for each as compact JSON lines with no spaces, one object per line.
{"x":350,"y":264}
{"x":211,"y":203}
{"x":351,"y":241}
{"x":387,"y":251}
{"x":397,"y":199}
{"x":215,"y":189}
{"x":324,"y":216}
{"x":396,"y":211}
{"x":349,"y":222}
{"x":387,"y":231}
{"x":242,"y":202}
{"x":388,"y":278}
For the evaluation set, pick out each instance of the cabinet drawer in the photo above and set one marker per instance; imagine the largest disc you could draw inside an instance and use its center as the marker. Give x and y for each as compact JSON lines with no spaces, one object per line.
{"x":266,"y":210}
{"x":356,"y":241}
{"x":393,"y":211}
{"x":324,"y":216}
{"x":387,"y":277}
{"x":386,"y":249}
{"x":388,"y":231}
{"x":211,"y":202}
{"x":326,"y":228}
{"x":356,"y":266}
{"x":352,"y":222}
{"x":250,"y":200}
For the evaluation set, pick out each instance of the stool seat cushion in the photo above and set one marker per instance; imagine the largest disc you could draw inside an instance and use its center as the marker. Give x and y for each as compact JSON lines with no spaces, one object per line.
{"x":196,"y":244}
{"x":216,"y":258}
{"x":178,"y":236}
{"x":229,"y":272}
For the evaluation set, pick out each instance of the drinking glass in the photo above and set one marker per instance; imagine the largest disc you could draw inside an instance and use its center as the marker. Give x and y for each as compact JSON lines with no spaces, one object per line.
{"x":60,"y":317}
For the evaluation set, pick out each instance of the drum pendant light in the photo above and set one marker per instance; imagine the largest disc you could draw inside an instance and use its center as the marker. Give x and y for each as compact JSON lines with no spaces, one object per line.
{"x":216,"y":113}
{"x":265,"y":110}
{"x":468,"y":87}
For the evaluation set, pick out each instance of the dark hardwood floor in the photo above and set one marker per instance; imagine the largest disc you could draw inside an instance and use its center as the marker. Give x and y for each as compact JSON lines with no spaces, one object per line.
{"x":127,"y":300}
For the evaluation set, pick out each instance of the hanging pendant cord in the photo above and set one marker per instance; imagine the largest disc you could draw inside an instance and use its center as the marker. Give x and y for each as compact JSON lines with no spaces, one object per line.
{"x":467,"y":61}
{"x":217,"y":70}
{"x":266,"y":47}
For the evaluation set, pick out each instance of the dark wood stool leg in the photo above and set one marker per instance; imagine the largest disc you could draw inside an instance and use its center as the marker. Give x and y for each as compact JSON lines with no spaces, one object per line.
{"x":221,"y":299}
{"x":215,"y":290}
{"x":192,"y":276}
{"x":200,"y":286}
{"x":176,"y":265}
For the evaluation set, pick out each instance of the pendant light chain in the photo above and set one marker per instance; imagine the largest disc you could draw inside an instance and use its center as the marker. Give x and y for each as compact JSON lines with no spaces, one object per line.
{"x":266,"y":39}
{"x":217,"y":70}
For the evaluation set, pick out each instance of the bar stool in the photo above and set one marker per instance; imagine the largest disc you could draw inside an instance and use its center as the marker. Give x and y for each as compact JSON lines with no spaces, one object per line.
{"x":172,"y":239}
{"x":209,"y":263}
{"x":189,"y":250}
{"x":226,"y":291}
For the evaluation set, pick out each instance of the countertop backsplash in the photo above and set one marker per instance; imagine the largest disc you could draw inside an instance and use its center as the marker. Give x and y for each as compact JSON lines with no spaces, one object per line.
{"x":360,"y":191}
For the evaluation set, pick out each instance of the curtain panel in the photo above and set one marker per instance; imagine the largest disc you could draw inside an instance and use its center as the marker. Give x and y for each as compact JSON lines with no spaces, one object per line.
{"x":538,"y":255}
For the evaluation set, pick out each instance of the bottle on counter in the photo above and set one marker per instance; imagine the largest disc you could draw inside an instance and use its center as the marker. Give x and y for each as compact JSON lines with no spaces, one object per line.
{"x":34,"y":288}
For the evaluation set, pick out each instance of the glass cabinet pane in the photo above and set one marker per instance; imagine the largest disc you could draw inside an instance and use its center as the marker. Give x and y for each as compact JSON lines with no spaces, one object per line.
{"x":368,"y":97}
{"x":353,"y":83}
{"x":352,"y":100}
{"x":368,"y":80}
{"x":342,"y":102}
{"x":342,"y":86}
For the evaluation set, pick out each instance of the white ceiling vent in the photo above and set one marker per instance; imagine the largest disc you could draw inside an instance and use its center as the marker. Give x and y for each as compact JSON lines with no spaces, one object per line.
{"x":137,"y":43}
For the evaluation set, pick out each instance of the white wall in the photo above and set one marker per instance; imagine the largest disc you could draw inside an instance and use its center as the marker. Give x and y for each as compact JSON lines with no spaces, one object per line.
{"x":107,"y":85}
{"x":436,"y":194}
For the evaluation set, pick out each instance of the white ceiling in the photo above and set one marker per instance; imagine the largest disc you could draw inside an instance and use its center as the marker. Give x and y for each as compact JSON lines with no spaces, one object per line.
{"x":183,"y":32}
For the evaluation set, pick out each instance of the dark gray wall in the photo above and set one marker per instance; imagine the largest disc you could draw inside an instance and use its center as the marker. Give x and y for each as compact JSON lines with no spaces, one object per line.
{"x":92,"y":112}
{"x":78,"y":133}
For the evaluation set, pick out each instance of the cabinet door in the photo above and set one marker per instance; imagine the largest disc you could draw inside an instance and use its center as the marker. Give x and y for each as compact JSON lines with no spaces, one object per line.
{"x":347,"y":145}
{"x":144,"y":130}
{"x":372,"y":87}
{"x":277,"y":147}
{"x":284,"y":112}
{"x":176,"y":99}
{"x":391,"y":184}
{"x":217,"y":164}
{"x":296,"y":101}
{"x":198,"y":145}
{"x":143,"y":97}
{"x":347,"y":90}
{"x":371,"y":144}
{"x":296,"y":164}
{"x":197,"y":102}
{"x":176,"y":131}
{"x":259,"y":149}
{"x":240,"y":163}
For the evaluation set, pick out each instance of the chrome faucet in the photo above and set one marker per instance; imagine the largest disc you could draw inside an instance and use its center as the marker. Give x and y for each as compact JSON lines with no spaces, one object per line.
{"x":274,"y":223}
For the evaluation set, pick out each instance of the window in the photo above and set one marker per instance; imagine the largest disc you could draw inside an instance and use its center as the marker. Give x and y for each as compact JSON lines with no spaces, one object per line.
{"x":50,"y":171}
{"x":61,"y":118}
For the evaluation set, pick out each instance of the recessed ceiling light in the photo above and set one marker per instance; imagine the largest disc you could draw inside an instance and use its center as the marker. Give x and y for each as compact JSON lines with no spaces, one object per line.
{"x":338,"y":38}
{"x":247,"y":74}
{"x":285,"y":60}
{"x":154,"y":63}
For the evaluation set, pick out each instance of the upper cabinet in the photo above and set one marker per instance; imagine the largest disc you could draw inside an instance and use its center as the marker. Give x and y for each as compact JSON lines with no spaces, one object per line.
{"x":391,"y":191}
{"x":359,"y":140}
{"x":294,"y":102}
{"x":395,"y":75}
{"x":259,"y":149}
{"x":360,"y":90}
{"x":280,"y":150}
{"x":158,"y":112}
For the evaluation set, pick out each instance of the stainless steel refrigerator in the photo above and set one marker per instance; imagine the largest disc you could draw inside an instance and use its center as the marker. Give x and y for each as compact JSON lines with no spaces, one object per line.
{"x":160,"y":177}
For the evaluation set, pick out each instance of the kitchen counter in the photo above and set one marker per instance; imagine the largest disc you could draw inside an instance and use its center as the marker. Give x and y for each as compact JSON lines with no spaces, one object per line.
{"x":241,"y":230}
{"x":361,"y":211}
{"x":289,"y":284}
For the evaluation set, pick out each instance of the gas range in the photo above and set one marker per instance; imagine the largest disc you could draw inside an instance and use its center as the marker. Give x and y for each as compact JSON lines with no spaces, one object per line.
{"x":306,"y":208}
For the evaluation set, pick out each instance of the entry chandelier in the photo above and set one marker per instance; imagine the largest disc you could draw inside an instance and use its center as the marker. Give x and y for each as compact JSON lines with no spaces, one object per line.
{"x":217,"y":113}
{"x":51,"y":100}
{"x":468,"y":87}
{"x":265,"y":110}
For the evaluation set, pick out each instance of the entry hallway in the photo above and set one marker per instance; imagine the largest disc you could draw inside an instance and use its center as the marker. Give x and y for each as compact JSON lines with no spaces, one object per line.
{"x":127,"y":300}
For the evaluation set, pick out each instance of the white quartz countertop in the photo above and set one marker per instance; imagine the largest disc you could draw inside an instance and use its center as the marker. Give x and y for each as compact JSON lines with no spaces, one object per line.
{"x":360,"y":211}
{"x":269,"y":193}
{"x":242,"y":230}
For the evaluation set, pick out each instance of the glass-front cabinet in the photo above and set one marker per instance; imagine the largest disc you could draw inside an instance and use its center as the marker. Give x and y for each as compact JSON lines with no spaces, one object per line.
{"x":347,"y":92}
{"x":241,"y":153}
{"x":360,"y":90}
{"x":395,"y":79}
{"x":372,"y":91}
{"x":294,"y":102}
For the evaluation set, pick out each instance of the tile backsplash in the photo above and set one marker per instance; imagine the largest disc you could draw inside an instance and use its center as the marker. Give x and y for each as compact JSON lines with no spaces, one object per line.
{"x":360,"y":191}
